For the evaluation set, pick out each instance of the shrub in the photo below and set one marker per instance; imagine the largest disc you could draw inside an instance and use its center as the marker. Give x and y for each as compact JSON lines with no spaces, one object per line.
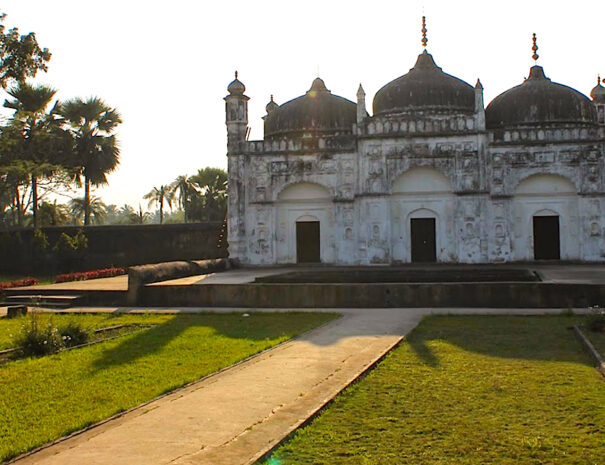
{"x":40,"y":240}
{"x":74,"y":334}
{"x":72,"y":245}
{"x":596,"y":320}
{"x":35,"y":339}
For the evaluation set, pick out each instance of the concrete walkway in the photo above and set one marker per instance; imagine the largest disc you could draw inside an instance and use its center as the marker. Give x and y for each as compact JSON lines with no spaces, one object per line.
{"x":239,"y":414}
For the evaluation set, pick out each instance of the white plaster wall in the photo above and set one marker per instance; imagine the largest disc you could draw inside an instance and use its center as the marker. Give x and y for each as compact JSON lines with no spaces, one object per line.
{"x":592,"y":228}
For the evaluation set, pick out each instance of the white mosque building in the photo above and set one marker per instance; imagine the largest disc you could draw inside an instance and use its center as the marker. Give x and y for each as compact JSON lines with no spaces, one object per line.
{"x":430,"y":176}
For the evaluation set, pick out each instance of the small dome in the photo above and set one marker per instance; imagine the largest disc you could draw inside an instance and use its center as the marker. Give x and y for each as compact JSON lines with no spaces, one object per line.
{"x":318,"y":111}
{"x":425,"y":88}
{"x":598,"y":92}
{"x":539,"y":100}
{"x":236,"y":86}
{"x":271,"y":106}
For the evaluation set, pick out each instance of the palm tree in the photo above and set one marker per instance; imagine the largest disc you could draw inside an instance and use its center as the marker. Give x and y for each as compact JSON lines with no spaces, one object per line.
{"x":96,"y":149}
{"x":187,"y":191}
{"x":96,"y":209}
{"x":39,"y":143}
{"x":213,"y":186}
{"x":159,"y":196}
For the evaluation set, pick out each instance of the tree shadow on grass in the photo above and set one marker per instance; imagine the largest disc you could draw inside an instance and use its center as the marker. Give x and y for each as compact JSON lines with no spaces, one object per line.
{"x":507,"y":337}
{"x":155,"y":339}
{"x":143,"y":343}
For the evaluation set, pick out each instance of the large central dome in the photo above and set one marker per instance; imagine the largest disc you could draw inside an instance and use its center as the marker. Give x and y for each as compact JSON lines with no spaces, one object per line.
{"x":426,"y":88}
{"x":318,"y":112}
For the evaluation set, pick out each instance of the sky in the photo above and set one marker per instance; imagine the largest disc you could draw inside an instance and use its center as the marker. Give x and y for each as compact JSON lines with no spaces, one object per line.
{"x":166,"y":65}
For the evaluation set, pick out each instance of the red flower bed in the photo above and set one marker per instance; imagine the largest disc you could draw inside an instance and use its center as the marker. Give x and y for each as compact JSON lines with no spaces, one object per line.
{"x":85,"y":275}
{"x":19,"y":283}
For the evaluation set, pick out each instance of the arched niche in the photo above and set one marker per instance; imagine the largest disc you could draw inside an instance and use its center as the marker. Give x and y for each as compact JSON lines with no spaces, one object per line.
{"x":422,"y":180}
{"x":546,"y":212}
{"x":304,"y":192}
{"x":545,"y":184}
{"x":422,"y":213}
{"x":306,"y":219}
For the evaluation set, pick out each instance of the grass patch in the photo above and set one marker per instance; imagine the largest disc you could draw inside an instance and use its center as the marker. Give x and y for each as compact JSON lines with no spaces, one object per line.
{"x":597,"y":339}
{"x":42,"y":399}
{"x":466,"y":390}
{"x":10,"y":327}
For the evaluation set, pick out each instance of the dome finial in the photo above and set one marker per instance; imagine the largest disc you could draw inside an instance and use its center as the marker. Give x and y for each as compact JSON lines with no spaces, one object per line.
{"x":535,"y":56}
{"x":236,"y":75}
{"x":424,"y":31}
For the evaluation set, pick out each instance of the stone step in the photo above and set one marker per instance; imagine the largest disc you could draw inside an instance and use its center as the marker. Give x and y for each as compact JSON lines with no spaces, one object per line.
{"x":50,"y":301}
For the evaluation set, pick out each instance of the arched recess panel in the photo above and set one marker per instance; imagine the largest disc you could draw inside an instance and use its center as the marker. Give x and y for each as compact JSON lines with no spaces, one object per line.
{"x":545,"y":223}
{"x":422,"y":181}
{"x":304,"y":220}
{"x":417,"y":196}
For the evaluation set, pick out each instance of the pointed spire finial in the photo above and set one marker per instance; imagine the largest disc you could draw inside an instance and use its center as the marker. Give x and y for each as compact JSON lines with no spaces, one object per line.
{"x":360,"y":91}
{"x":535,"y":56}
{"x":424,"y":31}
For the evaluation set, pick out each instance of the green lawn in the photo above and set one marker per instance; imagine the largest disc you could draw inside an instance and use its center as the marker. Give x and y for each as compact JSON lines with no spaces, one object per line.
{"x":466,"y":390}
{"x":45,"y":398}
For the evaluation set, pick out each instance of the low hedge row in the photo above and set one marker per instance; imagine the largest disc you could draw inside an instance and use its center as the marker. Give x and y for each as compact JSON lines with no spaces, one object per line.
{"x":19,"y":283}
{"x":85,"y":275}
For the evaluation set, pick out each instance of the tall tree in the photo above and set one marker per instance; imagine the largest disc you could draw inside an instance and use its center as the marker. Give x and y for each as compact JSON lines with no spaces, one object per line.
{"x":54,"y":214}
{"x":96,"y":148}
{"x":20,"y":55}
{"x":39,"y":141}
{"x":186,"y":191}
{"x":159,"y":196}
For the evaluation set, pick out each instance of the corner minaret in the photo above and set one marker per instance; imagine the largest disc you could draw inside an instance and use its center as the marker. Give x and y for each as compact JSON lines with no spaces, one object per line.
{"x":361,"y":104}
{"x":598,"y":98}
{"x":236,"y":110}
{"x":479,"y":106}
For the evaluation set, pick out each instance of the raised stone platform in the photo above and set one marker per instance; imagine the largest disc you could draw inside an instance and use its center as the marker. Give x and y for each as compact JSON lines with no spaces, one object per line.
{"x":504,"y":286}
{"x":532,"y":285}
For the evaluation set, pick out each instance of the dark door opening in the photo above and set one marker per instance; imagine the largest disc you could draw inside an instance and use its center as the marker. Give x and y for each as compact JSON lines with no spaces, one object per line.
{"x":307,"y":242}
{"x":546,"y":238}
{"x":423,"y":240}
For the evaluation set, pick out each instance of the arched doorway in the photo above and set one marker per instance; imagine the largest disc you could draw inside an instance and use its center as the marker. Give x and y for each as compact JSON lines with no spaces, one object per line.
{"x":422,"y":207}
{"x":304,"y":216}
{"x":545,"y":209}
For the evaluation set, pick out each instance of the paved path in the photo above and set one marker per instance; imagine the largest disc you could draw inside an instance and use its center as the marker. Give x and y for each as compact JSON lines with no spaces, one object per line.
{"x":235,"y":416}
